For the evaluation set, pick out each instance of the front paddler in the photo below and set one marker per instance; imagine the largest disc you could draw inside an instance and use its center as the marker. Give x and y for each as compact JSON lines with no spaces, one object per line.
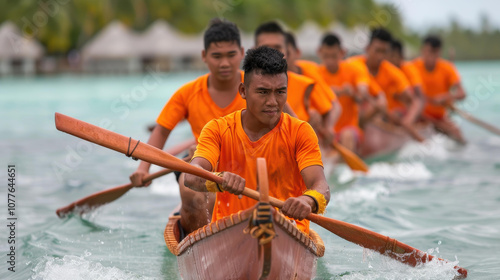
{"x":233,"y":143}
{"x":351,"y":85}
{"x":210,"y":96}
{"x":303,"y":94}
{"x":441,"y":86}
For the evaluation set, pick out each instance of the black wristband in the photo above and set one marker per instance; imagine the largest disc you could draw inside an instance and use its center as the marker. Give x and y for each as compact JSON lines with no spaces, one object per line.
{"x":315,"y":203}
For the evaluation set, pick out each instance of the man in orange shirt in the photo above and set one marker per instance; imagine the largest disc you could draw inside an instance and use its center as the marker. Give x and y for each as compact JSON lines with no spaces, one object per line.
{"x":397,"y":59}
{"x":210,"y":96}
{"x":303,"y":94}
{"x":233,"y":143}
{"x":310,"y":70}
{"x":351,"y":85}
{"x":401,"y":103}
{"x":441,"y":86}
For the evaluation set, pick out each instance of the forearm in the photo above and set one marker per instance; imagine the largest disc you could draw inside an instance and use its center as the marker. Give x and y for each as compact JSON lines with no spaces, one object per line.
{"x":194,"y":182}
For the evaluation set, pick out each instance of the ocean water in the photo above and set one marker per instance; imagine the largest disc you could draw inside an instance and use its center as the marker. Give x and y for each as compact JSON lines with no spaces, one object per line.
{"x":435,"y":196}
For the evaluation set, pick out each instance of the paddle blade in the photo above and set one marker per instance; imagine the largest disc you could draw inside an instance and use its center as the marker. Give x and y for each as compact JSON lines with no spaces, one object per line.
{"x":377,"y":242}
{"x":95,"y":200}
{"x":351,"y":159}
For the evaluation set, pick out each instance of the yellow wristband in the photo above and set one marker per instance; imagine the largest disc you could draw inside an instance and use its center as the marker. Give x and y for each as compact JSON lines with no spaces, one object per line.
{"x":319,"y":198}
{"x":213,"y":186}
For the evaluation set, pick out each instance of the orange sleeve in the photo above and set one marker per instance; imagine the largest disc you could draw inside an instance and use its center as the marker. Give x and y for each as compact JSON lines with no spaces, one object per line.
{"x":412,"y":73}
{"x":174,"y":111}
{"x":360,"y":74}
{"x":453,"y":76}
{"x":307,"y":148}
{"x":400,"y":79}
{"x":374,"y":88}
{"x":319,"y":100}
{"x":209,"y":143}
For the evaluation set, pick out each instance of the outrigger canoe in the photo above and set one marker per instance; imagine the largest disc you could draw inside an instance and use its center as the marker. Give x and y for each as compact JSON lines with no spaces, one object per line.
{"x":382,"y":138}
{"x":256,"y":243}
{"x":226,"y":249}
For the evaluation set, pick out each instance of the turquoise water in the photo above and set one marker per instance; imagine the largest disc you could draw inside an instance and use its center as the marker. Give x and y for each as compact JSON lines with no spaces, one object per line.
{"x":435,"y":196}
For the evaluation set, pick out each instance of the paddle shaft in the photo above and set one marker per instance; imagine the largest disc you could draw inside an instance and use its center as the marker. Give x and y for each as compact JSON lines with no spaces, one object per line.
{"x":474,"y":120}
{"x":349,"y":232}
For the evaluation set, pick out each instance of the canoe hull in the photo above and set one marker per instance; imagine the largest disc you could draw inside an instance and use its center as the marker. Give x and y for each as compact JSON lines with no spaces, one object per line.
{"x":222,"y":250}
{"x":383,"y":139}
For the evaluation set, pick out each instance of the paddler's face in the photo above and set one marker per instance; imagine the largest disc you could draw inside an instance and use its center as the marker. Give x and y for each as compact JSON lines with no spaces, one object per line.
{"x":223,"y":59}
{"x":430,"y":55}
{"x":331,"y":56}
{"x":265,"y":96}
{"x":275,"y":41}
{"x":395,"y":58}
{"x":376,"y":52}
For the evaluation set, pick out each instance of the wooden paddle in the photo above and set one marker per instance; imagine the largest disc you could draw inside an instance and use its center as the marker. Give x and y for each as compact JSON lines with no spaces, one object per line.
{"x":363,"y":237}
{"x":95,"y":200}
{"x":474,"y":120}
{"x":351,"y":159}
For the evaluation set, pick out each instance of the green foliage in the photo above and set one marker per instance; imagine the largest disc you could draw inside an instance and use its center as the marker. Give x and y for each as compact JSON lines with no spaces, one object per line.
{"x":63,"y":25}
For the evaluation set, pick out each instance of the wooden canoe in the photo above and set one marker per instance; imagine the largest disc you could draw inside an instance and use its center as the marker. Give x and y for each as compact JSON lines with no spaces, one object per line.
{"x":224,"y":250}
{"x":381,"y":138}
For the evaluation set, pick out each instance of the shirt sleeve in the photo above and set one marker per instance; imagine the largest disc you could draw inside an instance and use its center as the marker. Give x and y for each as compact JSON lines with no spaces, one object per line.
{"x":174,"y":111}
{"x":319,"y":100}
{"x":453,"y":76}
{"x":402,"y":82}
{"x":307,"y":149}
{"x":209,"y":143}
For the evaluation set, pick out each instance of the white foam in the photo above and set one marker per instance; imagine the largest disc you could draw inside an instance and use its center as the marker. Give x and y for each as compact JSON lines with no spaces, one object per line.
{"x":360,"y":194}
{"x":433,"y":147}
{"x":385,"y":268}
{"x":401,"y":171}
{"x":76,"y":268}
{"x":166,"y":185}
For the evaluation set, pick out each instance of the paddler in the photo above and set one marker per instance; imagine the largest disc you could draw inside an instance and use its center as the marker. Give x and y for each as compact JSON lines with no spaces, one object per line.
{"x":401,"y":104}
{"x":351,"y":85}
{"x":441,"y":86}
{"x":396,"y":57}
{"x":310,"y":70}
{"x":232,"y":144}
{"x":303,"y":94}
{"x":210,"y":96}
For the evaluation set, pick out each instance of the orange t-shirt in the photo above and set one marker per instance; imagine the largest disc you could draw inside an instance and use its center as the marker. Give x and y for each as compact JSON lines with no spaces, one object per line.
{"x":194,"y":103}
{"x":300,"y":103}
{"x":373,"y":88}
{"x":391,"y":80}
{"x":436,"y":82}
{"x":411,"y":73}
{"x":288,"y":148}
{"x":310,"y":69}
{"x":347,"y":73}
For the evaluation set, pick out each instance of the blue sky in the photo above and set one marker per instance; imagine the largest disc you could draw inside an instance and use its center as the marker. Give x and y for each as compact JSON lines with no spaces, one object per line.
{"x":422,"y":14}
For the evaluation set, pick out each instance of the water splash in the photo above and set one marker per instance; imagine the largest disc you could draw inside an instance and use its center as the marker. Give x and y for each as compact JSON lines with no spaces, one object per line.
{"x":402,"y":171}
{"x":76,"y":268}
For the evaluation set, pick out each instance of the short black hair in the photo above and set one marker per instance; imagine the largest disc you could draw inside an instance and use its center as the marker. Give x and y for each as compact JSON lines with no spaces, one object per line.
{"x":397,"y":46}
{"x":221,"y":31}
{"x":432,"y":40}
{"x":330,"y":40}
{"x":381,"y":34}
{"x":264,"y":60}
{"x":268,"y":27}
{"x":290,"y":40}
